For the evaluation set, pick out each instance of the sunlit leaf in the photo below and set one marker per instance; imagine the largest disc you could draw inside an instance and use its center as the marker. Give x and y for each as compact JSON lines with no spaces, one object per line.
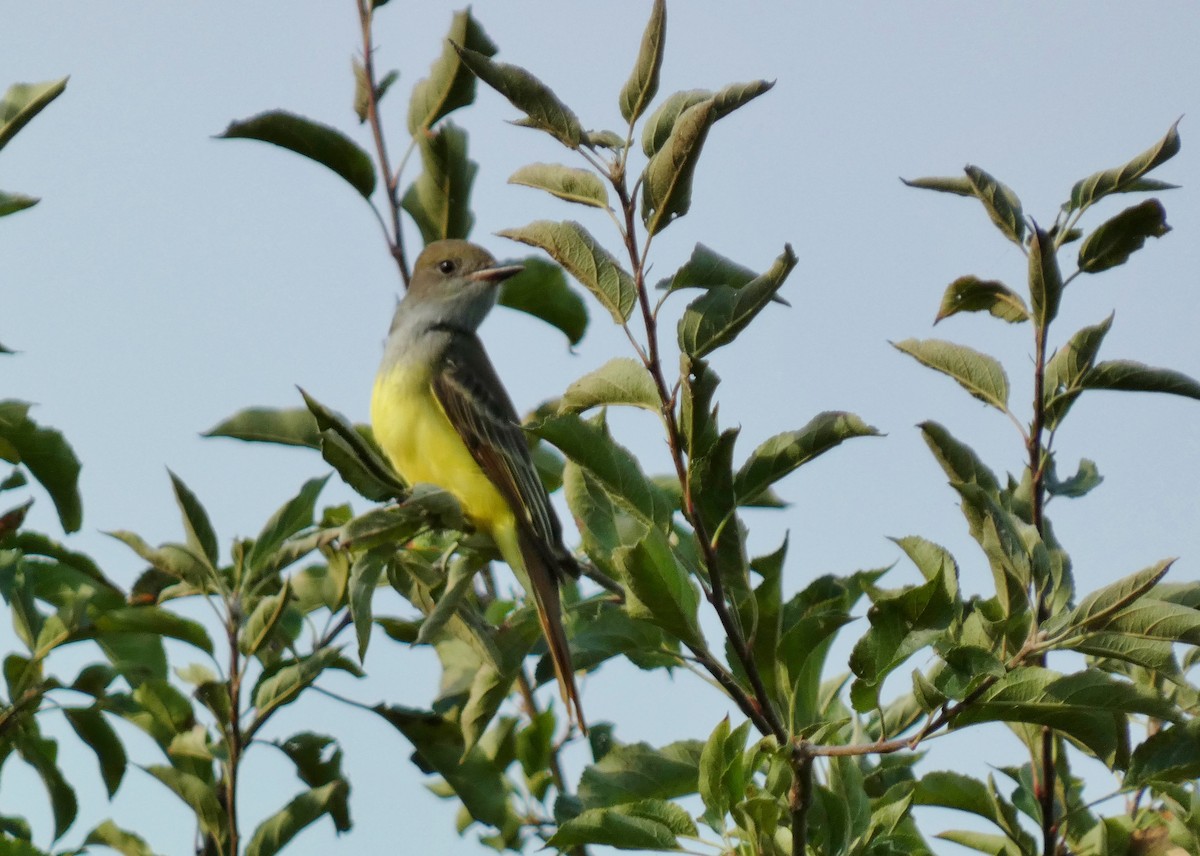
{"x":288,"y":427}
{"x":23,"y":101}
{"x":977,"y":373}
{"x":1125,"y":177}
{"x":621,"y":380}
{"x":642,"y":86}
{"x":573,"y":247}
{"x":566,"y":183}
{"x":1001,"y":204}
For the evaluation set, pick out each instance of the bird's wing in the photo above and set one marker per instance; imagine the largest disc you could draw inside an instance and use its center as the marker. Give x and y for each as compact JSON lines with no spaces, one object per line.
{"x":480,"y":411}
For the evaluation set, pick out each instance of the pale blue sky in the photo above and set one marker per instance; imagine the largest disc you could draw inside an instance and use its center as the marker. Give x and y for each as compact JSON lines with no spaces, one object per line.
{"x":168,"y":280}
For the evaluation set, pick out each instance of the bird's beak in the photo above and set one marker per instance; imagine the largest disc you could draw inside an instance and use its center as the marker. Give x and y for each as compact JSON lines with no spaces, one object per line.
{"x":495,"y":275}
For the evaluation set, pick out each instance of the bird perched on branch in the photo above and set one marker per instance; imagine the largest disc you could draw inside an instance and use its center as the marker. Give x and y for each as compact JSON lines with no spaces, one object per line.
{"x":442,"y":416}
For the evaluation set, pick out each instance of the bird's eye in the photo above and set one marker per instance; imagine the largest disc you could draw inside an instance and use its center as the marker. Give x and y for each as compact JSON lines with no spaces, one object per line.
{"x":446,"y":266}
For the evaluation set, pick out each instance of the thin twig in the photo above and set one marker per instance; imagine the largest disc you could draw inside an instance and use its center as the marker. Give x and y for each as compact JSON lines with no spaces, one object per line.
{"x":766,"y":719}
{"x":390,"y":180}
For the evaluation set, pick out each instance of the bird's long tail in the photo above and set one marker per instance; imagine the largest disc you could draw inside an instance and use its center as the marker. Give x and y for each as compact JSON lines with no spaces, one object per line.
{"x":541,"y":568}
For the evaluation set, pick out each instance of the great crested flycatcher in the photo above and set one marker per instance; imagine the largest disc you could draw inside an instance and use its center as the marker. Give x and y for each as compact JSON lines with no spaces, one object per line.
{"x":442,"y":416}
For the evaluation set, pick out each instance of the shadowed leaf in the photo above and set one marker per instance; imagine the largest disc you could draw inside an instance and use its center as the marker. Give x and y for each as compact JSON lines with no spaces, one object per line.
{"x":450,"y":83}
{"x":321,"y":143}
{"x":972,"y":294}
{"x":1116,"y":239}
{"x":542,"y":108}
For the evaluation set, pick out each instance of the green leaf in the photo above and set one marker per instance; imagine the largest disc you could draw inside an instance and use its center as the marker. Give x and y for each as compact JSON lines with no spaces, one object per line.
{"x":959,"y":185}
{"x":174,"y":560}
{"x":287,"y":427}
{"x":1171,"y":755}
{"x":389,"y":525}
{"x":23,"y":101}
{"x":722,"y":777}
{"x":721,"y":313}
{"x":108,"y":834}
{"x":643,"y":825}
{"x":283,"y":683}
{"x":642,"y":86}
{"x":619,"y":381}
{"x":1130,"y":376}
{"x":611,"y":464}
{"x":439,"y":201}
{"x":542,"y":108}
{"x":11,"y":203}
{"x":708,"y":269}
{"x":48,"y":458}
{"x":1068,"y":366}
{"x":658,"y":127}
{"x":262,"y":621}
{"x":321,"y":143}
{"x":902,"y":623}
{"x":42,"y":755}
{"x":972,"y":294}
{"x":784,"y":453}
{"x":979,"y":374}
{"x":151,"y":619}
{"x":450,"y":84}
{"x":667,"y":178}
{"x":566,"y":183}
{"x":1001,"y":204}
{"x":541,"y":290}
{"x":963,"y":793}
{"x":1125,"y":178}
{"x":359,"y":442}
{"x":1045,"y":279}
{"x":474,"y":778}
{"x":573,"y":247}
{"x":368,"y":567}
{"x":638,"y":771}
{"x":1150,"y":618}
{"x":1087,"y":707}
{"x":274,"y":833}
{"x":735,"y":95}
{"x":1086,"y":479}
{"x":200,"y":535}
{"x":1114,"y":240}
{"x":658,"y":588}
{"x":294,"y":516}
{"x":93,"y":729}
{"x":197,"y":794}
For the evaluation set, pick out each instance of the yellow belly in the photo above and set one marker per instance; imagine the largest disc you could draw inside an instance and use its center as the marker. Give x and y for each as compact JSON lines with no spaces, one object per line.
{"x":414,"y":432}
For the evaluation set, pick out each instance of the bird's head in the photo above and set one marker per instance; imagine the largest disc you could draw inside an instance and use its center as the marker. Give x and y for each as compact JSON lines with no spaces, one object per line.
{"x":456,"y":281}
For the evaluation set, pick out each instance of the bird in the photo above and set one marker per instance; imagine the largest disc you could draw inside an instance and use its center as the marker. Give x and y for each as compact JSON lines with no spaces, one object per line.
{"x":442,"y":416}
